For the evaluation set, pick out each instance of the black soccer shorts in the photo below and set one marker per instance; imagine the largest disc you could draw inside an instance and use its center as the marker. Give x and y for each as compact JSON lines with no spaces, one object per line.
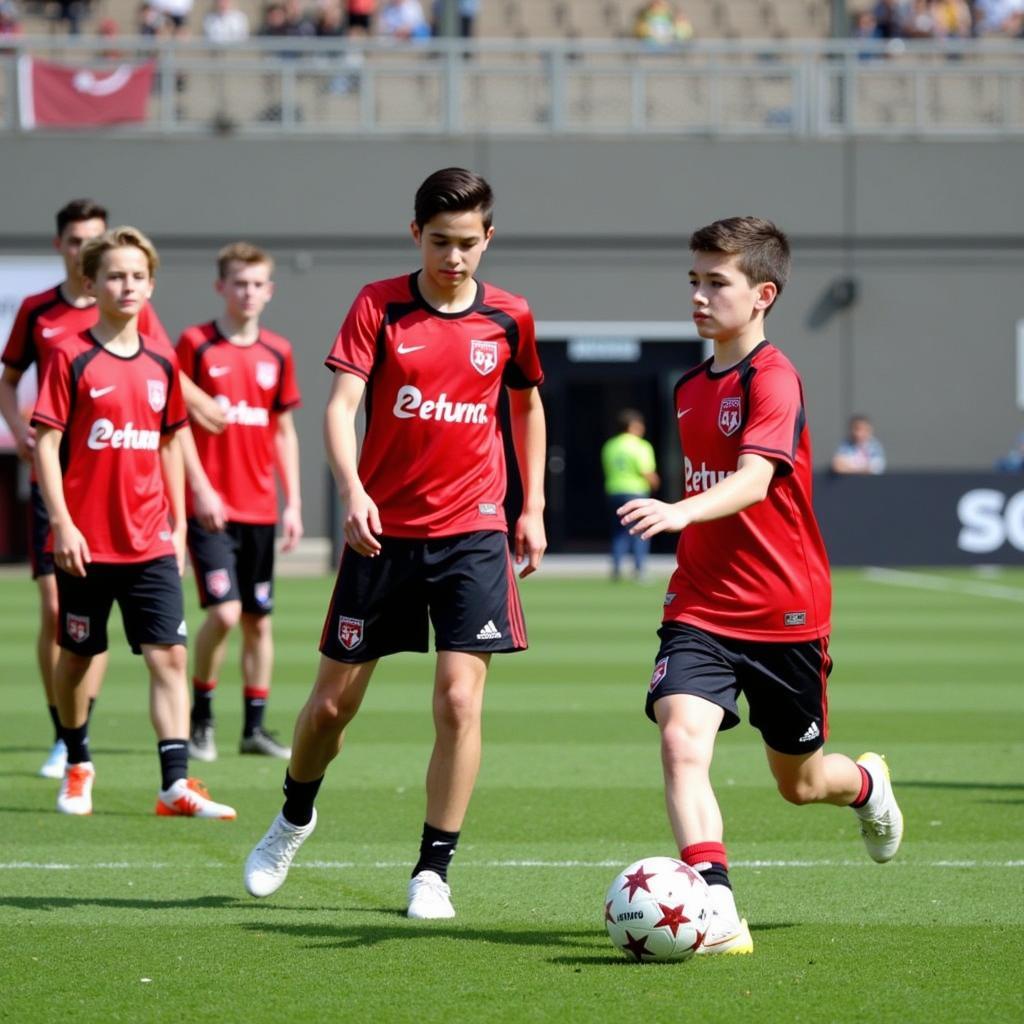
{"x":785,"y":684}
{"x":236,"y":564}
{"x":148,"y":593}
{"x":39,"y":532}
{"x":464,"y":585}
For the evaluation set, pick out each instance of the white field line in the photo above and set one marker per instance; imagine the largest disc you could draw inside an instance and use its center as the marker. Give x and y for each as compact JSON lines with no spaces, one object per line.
{"x":340,"y":865}
{"x":921,"y":581}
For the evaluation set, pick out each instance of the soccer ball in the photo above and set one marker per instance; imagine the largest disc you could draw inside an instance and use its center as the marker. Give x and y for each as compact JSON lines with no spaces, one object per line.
{"x":657,"y":910}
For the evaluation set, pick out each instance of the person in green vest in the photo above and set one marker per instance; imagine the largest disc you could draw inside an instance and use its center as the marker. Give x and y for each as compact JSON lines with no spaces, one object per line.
{"x":629,"y":472}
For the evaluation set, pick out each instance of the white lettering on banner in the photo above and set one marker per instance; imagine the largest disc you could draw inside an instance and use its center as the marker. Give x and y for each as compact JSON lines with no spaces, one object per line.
{"x":410,"y":404}
{"x":697,"y":480}
{"x":988,"y":520}
{"x":243,"y":414}
{"x":103,"y":434}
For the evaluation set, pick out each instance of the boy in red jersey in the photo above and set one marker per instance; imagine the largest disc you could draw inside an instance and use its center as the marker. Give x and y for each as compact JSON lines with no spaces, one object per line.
{"x":107,"y":418}
{"x":251,"y":372}
{"x":425,"y":529}
{"x":747,"y":609}
{"x":42,"y":322}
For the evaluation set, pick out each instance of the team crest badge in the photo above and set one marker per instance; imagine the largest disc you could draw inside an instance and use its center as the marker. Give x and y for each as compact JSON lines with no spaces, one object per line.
{"x":729,"y":416}
{"x":350,"y":632}
{"x":660,"y":669}
{"x":261,"y":591}
{"x":483,"y":355}
{"x":218,"y":582}
{"x":156,"y":391}
{"x":266,"y":375}
{"x":78,"y":627}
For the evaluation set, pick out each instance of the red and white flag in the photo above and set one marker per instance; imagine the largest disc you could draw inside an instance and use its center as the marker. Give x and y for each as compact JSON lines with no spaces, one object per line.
{"x":57,"y":96}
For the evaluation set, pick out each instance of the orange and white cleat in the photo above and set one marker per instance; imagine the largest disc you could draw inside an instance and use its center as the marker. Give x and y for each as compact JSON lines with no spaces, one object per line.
{"x":75,"y":796}
{"x":188,"y":798}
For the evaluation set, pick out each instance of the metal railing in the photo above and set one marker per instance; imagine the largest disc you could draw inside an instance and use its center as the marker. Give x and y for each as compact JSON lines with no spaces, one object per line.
{"x":802,"y":89}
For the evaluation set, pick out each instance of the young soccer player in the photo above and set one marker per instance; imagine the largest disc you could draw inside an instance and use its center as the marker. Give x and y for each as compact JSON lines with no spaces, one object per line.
{"x":251,"y":372}
{"x":747,"y":609}
{"x":425,"y":529}
{"x":112,"y":475}
{"x":42,"y":322}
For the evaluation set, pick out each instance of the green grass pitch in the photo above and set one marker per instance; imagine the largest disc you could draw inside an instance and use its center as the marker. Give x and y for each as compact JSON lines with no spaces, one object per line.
{"x":127,"y":917}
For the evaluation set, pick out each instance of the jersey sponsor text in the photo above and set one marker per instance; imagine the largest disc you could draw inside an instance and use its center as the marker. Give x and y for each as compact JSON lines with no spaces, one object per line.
{"x":697,"y":479}
{"x":243,"y":414}
{"x":103,"y":434}
{"x":410,"y":404}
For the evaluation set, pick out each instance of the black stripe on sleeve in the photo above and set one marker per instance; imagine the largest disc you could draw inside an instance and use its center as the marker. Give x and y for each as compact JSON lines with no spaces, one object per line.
{"x":334,"y":363}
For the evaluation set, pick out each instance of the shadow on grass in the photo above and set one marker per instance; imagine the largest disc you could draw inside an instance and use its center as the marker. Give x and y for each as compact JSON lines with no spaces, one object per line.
{"x":121,"y":903}
{"x":997,"y":787}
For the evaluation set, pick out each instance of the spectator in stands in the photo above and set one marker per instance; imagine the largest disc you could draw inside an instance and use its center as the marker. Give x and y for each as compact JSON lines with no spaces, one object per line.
{"x":226,"y":24}
{"x":889,"y":16}
{"x":10,"y":26}
{"x":954,"y":18}
{"x":360,"y":14}
{"x":1013,"y":462}
{"x":861,"y":452}
{"x":149,"y":21}
{"x":998,"y":17}
{"x":177,"y":14}
{"x":299,"y":22}
{"x":658,"y":22}
{"x":403,"y":19}
{"x":466,"y":12}
{"x":109,"y":29}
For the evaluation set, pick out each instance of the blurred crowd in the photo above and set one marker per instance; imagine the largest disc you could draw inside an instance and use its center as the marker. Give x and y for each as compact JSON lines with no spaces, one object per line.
{"x":940,"y":19}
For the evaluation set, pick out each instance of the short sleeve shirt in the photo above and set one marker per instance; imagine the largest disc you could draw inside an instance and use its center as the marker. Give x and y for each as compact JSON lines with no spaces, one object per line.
{"x":625,"y":459}
{"x":433,"y":458}
{"x":114,"y":411}
{"x":761,"y":574}
{"x":253,"y":385}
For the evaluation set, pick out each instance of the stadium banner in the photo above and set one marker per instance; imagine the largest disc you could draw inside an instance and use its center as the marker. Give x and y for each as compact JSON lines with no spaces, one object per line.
{"x":922,"y":518}
{"x":58,"y":96}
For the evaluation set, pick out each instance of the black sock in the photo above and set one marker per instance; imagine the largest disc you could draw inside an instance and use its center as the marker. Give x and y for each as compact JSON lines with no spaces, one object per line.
{"x":716,"y":874}
{"x":202,"y":702}
{"x":173,"y":761}
{"x":92,"y":704}
{"x":55,"y":718}
{"x":436,"y":851}
{"x":254,"y":708}
{"x":77,"y":742}
{"x":299,"y":798}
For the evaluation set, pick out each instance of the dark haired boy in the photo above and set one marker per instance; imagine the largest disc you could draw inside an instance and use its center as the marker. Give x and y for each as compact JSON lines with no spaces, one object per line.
{"x":108,"y":418}
{"x":425,"y":529}
{"x":748,"y":607}
{"x":44,"y":321}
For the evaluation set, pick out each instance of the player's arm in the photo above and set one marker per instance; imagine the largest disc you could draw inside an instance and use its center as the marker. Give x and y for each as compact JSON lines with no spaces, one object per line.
{"x":286,"y":455}
{"x":529,"y":438}
{"x":172,"y":466}
{"x":24,"y":435}
{"x":747,"y":486}
{"x":202,"y":407}
{"x":206,"y":501}
{"x":70,"y":548}
{"x":362,"y":520}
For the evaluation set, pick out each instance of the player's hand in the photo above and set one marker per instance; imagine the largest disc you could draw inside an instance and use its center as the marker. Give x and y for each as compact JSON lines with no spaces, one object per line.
{"x":70,"y":550}
{"x":205,"y":411}
{"x":649,"y":517}
{"x":209,"y":509}
{"x":26,"y":446}
{"x":178,"y":539}
{"x":530,"y":542}
{"x":362,"y":525}
{"x":291,"y":528}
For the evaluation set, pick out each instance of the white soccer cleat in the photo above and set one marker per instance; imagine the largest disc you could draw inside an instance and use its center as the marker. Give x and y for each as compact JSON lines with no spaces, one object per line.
{"x":188,"y":798}
{"x":726,"y":934}
{"x":201,"y":745}
{"x":881,"y":821}
{"x":56,"y":762}
{"x":267,"y":866}
{"x":429,"y":898}
{"x":75,"y":796}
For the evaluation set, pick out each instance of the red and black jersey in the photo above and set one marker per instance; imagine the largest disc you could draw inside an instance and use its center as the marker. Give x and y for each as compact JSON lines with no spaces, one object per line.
{"x":253,"y":384}
{"x":433,"y":459}
{"x":113,"y":411}
{"x":763,"y":573}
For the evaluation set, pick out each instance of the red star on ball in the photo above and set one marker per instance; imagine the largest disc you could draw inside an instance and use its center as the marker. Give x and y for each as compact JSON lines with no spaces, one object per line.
{"x":608,"y":912}
{"x":699,"y":941}
{"x":637,"y":880}
{"x":638,"y":947}
{"x":672,"y":918}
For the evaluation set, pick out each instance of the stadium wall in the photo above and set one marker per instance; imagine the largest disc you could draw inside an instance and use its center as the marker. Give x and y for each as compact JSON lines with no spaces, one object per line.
{"x":931,"y":234}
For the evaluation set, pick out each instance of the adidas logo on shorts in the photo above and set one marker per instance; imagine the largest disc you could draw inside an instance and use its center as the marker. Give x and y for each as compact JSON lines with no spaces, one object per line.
{"x":813,"y":732}
{"x":489,"y":632}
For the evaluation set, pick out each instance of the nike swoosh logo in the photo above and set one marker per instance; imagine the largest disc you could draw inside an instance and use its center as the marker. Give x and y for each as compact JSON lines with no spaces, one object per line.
{"x":404,"y":350}
{"x":682,"y":412}
{"x":437,"y":842}
{"x":219,"y":371}
{"x":100,"y":392}
{"x":52,"y":332}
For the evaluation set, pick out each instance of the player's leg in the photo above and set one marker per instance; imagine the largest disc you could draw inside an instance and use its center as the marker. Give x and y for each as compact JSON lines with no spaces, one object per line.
{"x":621,"y":540}
{"x":214,"y":555}
{"x":692,"y":696}
{"x":255,"y":581}
{"x":153,"y":611}
{"x":319,"y":734}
